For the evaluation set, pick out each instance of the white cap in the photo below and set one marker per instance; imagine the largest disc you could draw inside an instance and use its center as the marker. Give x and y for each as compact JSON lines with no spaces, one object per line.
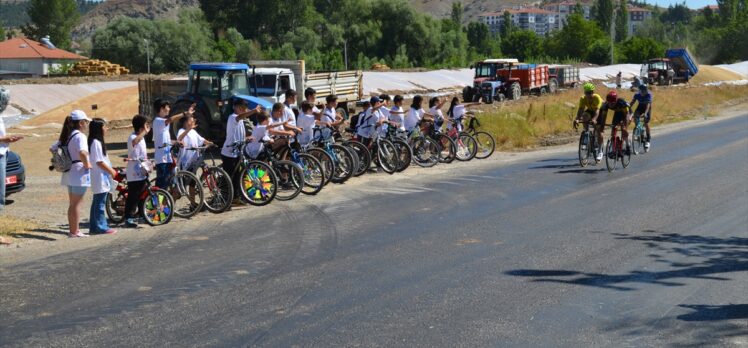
{"x":78,"y":115}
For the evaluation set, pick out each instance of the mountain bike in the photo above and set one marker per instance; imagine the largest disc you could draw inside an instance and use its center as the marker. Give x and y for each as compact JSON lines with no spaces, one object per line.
{"x":314,"y":173}
{"x":185,"y":188}
{"x":446,"y":146}
{"x":486,"y":143}
{"x":399,"y":138}
{"x":156,"y":205}
{"x":614,"y":149}
{"x":290,"y":175}
{"x":385,"y":153}
{"x":342,"y":157}
{"x":467,"y":147}
{"x":258,"y":183}
{"x":425,"y":149}
{"x":216,"y":183}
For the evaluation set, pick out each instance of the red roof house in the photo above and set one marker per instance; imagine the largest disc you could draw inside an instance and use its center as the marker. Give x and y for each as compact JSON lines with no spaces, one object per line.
{"x":23,"y":57}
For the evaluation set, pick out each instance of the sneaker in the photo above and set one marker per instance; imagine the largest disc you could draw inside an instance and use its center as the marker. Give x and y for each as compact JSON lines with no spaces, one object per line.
{"x":599,"y":156}
{"x":646,"y":145}
{"x":131,"y":223}
{"x":110,"y":231}
{"x":77,"y":234}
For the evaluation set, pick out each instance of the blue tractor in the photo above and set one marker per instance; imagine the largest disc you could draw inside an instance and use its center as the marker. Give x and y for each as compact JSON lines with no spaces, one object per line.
{"x":213,"y":87}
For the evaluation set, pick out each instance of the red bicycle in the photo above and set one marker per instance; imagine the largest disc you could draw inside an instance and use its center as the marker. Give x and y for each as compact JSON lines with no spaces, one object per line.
{"x":614,"y":148}
{"x":156,"y":206}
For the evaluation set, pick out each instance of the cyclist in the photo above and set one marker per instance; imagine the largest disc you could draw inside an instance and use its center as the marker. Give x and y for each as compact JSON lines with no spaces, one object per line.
{"x":621,"y":111}
{"x":457,"y":112}
{"x":589,"y":109}
{"x":644,"y":97}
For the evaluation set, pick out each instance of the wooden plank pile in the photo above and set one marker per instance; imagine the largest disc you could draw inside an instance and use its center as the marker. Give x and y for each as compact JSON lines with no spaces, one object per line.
{"x":95,"y":67}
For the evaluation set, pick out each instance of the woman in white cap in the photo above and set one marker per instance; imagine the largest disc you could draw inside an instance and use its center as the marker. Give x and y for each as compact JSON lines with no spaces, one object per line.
{"x":78,"y":178}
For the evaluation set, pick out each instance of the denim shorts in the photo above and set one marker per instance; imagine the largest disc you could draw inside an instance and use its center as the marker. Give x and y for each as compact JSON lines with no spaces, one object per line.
{"x":77,"y":190}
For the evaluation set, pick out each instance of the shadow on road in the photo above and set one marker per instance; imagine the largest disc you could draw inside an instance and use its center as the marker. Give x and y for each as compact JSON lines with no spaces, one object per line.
{"x":714,"y":313}
{"x":714,"y":258}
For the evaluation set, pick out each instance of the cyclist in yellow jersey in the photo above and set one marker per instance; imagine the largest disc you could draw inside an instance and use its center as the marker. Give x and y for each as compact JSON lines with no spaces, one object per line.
{"x":589,"y":109}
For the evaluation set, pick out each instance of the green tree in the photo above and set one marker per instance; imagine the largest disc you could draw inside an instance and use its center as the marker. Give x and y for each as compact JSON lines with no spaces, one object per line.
{"x":481,"y":41}
{"x":638,"y":49}
{"x":574,"y":39}
{"x":457,"y":12}
{"x":522,"y":44}
{"x":603,"y":10}
{"x":507,"y":26}
{"x":578,"y":9}
{"x":55,"y":18}
{"x":599,"y":52}
{"x":2,"y":32}
{"x":622,"y":19}
{"x":676,"y":14}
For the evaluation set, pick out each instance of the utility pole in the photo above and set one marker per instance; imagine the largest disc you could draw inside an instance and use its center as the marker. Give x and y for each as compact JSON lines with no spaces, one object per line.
{"x":613,"y":34}
{"x":345,"y":52}
{"x":148,"y":55}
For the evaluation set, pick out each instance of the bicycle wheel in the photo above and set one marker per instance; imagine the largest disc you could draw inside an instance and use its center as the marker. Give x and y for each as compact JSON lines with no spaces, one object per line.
{"x":290,"y":180}
{"x":218,"y":189}
{"x":584,"y":151}
{"x":115,"y":207}
{"x":466,"y":147}
{"x":343,"y":164}
{"x":425,"y":152}
{"x":636,"y":145}
{"x":157,"y":208}
{"x":486,"y":145}
{"x":447,"y":148}
{"x":611,"y":157}
{"x":314,"y":174}
{"x":328,"y":165}
{"x":387,"y":156}
{"x":363,"y":155}
{"x":356,"y":160}
{"x":405,"y":154}
{"x":187,"y":193}
{"x":625,"y":155}
{"x":258,"y":183}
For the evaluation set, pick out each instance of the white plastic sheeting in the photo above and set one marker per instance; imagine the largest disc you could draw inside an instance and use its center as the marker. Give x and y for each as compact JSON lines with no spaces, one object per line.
{"x":740,"y":68}
{"x":41,"y":98}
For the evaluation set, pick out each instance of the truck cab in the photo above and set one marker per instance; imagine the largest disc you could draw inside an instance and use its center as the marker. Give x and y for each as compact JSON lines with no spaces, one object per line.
{"x":271,"y":84}
{"x":486,"y":71}
{"x":660,"y":71}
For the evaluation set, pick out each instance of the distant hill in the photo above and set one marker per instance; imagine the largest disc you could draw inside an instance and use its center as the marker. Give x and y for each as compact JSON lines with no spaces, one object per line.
{"x":108,"y":10}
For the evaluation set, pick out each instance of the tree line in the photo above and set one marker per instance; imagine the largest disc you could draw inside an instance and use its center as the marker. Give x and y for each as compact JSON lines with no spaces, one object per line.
{"x":339,"y":34}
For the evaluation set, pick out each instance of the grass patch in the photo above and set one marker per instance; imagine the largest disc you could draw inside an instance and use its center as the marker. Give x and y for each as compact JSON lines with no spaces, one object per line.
{"x":532,"y":121}
{"x":10,"y":226}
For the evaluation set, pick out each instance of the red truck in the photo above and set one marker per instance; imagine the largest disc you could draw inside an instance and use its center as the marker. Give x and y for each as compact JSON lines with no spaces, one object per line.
{"x":499,"y":79}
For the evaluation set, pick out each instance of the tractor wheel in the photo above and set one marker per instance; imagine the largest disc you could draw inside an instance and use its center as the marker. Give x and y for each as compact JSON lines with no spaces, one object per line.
{"x":203,"y":123}
{"x":515,"y":91}
{"x":467,"y":94}
{"x":543,"y":91}
{"x":553,"y":86}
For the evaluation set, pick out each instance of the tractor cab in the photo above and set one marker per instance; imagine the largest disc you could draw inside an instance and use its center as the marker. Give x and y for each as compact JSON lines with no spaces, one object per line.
{"x":213,"y":87}
{"x":660,"y":71}
{"x":485,"y":71}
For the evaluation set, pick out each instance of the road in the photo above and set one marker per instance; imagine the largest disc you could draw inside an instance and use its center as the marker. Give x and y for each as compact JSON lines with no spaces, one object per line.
{"x":537,"y":252}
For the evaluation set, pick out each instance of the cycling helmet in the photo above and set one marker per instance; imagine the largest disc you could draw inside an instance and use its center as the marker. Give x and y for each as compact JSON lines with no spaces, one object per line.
{"x":588,"y":87}
{"x":612,"y":97}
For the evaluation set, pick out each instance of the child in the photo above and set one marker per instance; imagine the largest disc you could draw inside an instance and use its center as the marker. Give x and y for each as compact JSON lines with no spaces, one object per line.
{"x":306,"y":123}
{"x":397,"y":113}
{"x":310,"y":95}
{"x":369,"y":122}
{"x":78,"y":178}
{"x":415,"y":114}
{"x":281,"y":126}
{"x":384,"y":114}
{"x":162,"y":139}
{"x":235,"y":132}
{"x":101,"y":174}
{"x":457,"y":112}
{"x":259,"y":136}
{"x":137,"y":171}
{"x":189,"y":138}
{"x":330,"y":116}
{"x":435,"y":112}
{"x":356,"y":119}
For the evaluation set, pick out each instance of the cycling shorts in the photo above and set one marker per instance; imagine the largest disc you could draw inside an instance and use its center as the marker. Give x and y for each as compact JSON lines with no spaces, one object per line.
{"x":640,"y":111}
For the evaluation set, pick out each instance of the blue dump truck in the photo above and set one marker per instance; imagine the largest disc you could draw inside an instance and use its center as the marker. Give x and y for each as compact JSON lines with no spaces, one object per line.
{"x":678,"y":66}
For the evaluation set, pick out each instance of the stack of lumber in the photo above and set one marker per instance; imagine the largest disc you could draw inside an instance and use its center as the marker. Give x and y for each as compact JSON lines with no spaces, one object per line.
{"x":95,"y":67}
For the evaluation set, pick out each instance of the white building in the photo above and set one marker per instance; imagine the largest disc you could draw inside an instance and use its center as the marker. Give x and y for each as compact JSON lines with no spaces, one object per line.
{"x":562,"y":10}
{"x":529,"y":18}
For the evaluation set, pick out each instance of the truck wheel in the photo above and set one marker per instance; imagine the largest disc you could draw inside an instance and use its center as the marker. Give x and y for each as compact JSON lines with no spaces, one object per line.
{"x":660,"y":81}
{"x":467,"y":94}
{"x":203,"y":123}
{"x":553,"y":86}
{"x":343,"y":111}
{"x":543,"y":91}
{"x":515,"y":91}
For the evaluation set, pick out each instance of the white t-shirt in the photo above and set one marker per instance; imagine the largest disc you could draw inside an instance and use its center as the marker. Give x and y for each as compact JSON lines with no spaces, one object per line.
{"x":367,"y":124}
{"x":188,"y":157}
{"x":306,"y":123}
{"x":289,"y":116}
{"x":234,"y":132}
{"x":253,"y":148}
{"x":134,"y":169}
{"x":398,"y":118}
{"x":161,"y":140}
{"x":438,"y":116}
{"x":100,"y":179}
{"x":412,"y":118}
{"x":3,"y":146}
{"x":77,"y":175}
{"x":458,"y":112}
{"x":384,"y":114}
{"x":328,"y":115}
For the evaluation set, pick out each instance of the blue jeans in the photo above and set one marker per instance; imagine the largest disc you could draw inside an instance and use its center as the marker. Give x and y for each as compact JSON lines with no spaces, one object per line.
{"x":3,"y":162}
{"x":163,"y":175}
{"x":97,"y":222}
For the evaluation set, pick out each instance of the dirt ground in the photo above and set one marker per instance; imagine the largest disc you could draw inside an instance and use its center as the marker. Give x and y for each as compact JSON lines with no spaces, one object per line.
{"x":709,"y":73}
{"x":116,"y":104}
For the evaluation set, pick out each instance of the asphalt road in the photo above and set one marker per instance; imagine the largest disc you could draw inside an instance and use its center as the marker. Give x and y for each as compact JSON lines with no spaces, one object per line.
{"x":535,"y":253}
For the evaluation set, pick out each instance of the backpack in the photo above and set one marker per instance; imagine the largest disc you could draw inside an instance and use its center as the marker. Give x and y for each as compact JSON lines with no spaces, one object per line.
{"x":61,"y":160}
{"x":353,"y":127}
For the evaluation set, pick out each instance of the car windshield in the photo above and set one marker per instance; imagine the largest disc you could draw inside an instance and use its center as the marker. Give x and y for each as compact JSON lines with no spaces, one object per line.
{"x":265,"y":85}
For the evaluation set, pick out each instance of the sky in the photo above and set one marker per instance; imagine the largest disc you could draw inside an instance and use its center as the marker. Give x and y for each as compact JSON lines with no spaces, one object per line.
{"x":690,"y":3}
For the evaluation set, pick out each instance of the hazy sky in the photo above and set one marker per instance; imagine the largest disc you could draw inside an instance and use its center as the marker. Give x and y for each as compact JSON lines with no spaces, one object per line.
{"x":689,"y":3}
